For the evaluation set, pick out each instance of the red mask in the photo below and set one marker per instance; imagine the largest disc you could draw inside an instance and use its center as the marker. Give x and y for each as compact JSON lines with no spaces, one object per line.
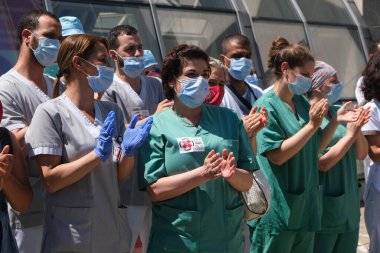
{"x":215,"y":95}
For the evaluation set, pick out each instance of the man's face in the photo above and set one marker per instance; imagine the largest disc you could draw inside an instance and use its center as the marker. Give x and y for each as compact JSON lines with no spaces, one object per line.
{"x":130,"y":46}
{"x":47,"y":27}
{"x":235,"y":50}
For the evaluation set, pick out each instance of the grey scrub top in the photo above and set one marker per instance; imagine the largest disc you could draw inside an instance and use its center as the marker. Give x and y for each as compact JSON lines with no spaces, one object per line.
{"x":20,"y":98}
{"x":85,"y":216}
{"x":131,"y":103}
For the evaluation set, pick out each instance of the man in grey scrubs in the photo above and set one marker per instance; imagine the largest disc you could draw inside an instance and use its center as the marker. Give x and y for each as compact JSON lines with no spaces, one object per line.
{"x":135,"y":94}
{"x":22,"y":89}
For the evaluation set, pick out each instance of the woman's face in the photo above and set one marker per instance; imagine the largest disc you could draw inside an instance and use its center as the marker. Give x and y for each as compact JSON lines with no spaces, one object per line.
{"x":99,"y":56}
{"x":192,"y":68}
{"x":217,"y":77}
{"x":306,"y":70}
{"x":328,"y":84}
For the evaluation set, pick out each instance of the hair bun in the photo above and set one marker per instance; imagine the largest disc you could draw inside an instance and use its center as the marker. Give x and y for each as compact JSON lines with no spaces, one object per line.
{"x":278,"y":44}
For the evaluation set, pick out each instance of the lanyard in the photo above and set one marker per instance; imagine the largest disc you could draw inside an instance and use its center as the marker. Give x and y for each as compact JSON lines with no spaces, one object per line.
{"x":246,"y":103}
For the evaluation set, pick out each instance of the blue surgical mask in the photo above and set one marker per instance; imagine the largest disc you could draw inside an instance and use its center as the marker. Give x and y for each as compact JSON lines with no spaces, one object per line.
{"x":251,"y":79}
{"x":240,"y":67}
{"x":194,"y":91}
{"x":335,"y":94}
{"x":103,"y":80}
{"x":133,"y":66}
{"x":47,"y":50}
{"x":300,"y":86}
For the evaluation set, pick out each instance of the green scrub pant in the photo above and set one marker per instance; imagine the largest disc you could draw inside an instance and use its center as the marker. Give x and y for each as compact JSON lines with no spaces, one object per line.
{"x":336,"y":243}
{"x":285,"y":242}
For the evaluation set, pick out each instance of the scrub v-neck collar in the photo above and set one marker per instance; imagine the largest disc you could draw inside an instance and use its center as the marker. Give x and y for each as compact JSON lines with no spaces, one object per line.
{"x":181,"y":120}
{"x":295,"y":113}
{"x":94,"y":129}
{"x":36,"y":90}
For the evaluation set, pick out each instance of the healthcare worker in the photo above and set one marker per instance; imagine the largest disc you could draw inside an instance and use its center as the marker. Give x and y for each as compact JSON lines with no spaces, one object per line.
{"x":22,"y":89}
{"x":288,"y":150}
{"x":194,"y":165}
{"x":82,"y":150}
{"x":337,"y":166}
{"x":137,"y":94}
{"x":150,"y":64}
{"x":216,"y":82}
{"x":14,"y":185}
{"x":371,"y":90}
{"x":236,"y":57}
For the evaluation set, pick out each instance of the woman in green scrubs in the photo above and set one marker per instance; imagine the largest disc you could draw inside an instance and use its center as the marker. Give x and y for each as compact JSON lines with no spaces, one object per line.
{"x":337,"y":166}
{"x":288,"y":150}
{"x":195,"y":163}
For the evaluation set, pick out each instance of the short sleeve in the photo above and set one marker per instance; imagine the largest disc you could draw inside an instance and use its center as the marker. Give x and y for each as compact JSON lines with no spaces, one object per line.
{"x":151,"y":164}
{"x":271,"y":136}
{"x":13,"y":116}
{"x":43,"y":136}
{"x":247,"y":159}
{"x":373,"y":125}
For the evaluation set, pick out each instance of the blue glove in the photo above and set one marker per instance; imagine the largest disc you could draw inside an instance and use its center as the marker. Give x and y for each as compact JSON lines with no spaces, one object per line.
{"x":103,"y":148}
{"x":134,"y":137}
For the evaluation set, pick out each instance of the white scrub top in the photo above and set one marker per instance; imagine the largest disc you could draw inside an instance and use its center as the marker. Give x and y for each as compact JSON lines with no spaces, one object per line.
{"x":358,"y":91}
{"x":20,"y":98}
{"x":231,"y":101}
{"x":372,"y":171}
{"x":85,"y":216}
{"x":144,"y":104}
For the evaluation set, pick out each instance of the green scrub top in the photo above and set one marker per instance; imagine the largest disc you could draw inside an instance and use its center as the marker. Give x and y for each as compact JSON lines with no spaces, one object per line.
{"x":207,"y":218}
{"x":296,"y":195}
{"x":341,"y":203}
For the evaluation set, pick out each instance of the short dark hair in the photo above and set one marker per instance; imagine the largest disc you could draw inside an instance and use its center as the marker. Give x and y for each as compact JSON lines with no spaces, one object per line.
{"x":113,"y":42}
{"x":30,"y":21}
{"x":172,"y":65}
{"x":371,"y":78}
{"x":238,"y":38}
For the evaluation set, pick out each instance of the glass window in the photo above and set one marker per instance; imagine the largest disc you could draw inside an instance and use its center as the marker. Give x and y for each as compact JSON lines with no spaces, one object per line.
{"x":99,"y":19}
{"x":277,"y":9}
{"x":266,"y":32}
{"x":372,"y":18}
{"x":214,"y":4}
{"x":10,"y":15}
{"x":203,"y":29}
{"x":330,"y":11}
{"x":341,"y":48}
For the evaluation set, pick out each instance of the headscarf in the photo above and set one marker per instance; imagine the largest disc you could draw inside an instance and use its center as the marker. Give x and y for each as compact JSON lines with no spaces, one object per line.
{"x":322,"y":73}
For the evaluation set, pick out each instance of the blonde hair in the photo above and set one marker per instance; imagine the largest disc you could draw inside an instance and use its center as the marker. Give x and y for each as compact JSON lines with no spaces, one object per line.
{"x":218,"y":65}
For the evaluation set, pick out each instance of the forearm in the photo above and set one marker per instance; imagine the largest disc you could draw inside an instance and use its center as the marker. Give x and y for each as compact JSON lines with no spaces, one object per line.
{"x":125,"y":167}
{"x":67,"y":174}
{"x":20,"y":138}
{"x":327,"y":134}
{"x":292,"y":145}
{"x":361,"y":147}
{"x":335,"y":154}
{"x":176,"y":185}
{"x":17,"y":194}
{"x":241,"y":180}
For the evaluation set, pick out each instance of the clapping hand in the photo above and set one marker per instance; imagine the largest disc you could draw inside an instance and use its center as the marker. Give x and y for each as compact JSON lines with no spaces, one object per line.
{"x":134,"y":136}
{"x":228,"y":167}
{"x":318,"y":111}
{"x":344,"y":115}
{"x":254,"y":122}
{"x":353,"y":128}
{"x":6,"y":165}
{"x":103,"y":147}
